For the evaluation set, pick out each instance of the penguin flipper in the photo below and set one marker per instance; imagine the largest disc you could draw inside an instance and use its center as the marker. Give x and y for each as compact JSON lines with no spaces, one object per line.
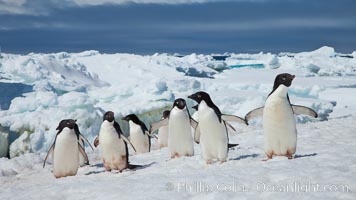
{"x":230,"y":127}
{"x":233,"y":118}
{"x":85,"y":156}
{"x":193,"y":123}
{"x":49,"y":151}
{"x":85,"y":139}
{"x":303,"y":110}
{"x":128,"y":142}
{"x":197,"y":135}
{"x":258,"y":112}
{"x":96,"y":142}
{"x":151,"y":135}
{"x":155,"y":126}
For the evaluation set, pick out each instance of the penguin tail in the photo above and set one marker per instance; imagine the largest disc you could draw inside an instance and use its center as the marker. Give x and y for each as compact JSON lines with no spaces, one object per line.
{"x":131,"y":166}
{"x":232,"y":145}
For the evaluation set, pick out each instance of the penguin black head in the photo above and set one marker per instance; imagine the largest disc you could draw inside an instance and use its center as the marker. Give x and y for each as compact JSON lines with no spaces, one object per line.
{"x":165,"y":114}
{"x":109,"y":116}
{"x":179,"y":103}
{"x":283,"y":79}
{"x":131,"y":117}
{"x":200,"y":96}
{"x":69,"y":123}
{"x":195,"y":107}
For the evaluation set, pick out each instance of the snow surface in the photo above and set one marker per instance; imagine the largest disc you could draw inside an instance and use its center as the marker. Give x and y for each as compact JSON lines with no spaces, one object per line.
{"x":325,"y":156}
{"x":84,"y":85}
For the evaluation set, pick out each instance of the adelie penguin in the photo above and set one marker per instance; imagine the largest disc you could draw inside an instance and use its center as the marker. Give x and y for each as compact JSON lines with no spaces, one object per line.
{"x":229,"y":127}
{"x":66,"y":149}
{"x":113,"y":145}
{"x":179,"y":122}
{"x":211,"y":131}
{"x":279,"y":125}
{"x":139,"y":135}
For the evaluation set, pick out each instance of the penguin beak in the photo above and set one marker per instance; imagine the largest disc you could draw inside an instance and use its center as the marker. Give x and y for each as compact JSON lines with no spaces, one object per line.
{"x":193,"y":97}
{"x":291,"y":78}
{"x":124,"y":119}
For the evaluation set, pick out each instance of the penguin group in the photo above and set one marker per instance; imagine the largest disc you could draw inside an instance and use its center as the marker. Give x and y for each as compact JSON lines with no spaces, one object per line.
{"x":178,"y":131}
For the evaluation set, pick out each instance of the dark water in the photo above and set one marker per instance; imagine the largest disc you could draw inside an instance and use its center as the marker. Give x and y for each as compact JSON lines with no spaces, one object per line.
{"x":9,"y":91}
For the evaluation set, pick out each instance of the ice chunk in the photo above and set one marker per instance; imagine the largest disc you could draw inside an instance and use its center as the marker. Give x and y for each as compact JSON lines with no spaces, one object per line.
{"x":313,"y":68}
{"x":21,"y":145}
{"x":324,"y":51}
{"x":4,"y":144}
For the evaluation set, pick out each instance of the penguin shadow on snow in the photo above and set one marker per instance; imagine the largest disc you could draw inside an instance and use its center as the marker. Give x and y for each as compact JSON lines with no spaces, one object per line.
{"x":94,"y":172}
{"x":305,"y":155}
{"x":100,"y":165}
{"x":130,"y":168}
{"x":245,"y":156}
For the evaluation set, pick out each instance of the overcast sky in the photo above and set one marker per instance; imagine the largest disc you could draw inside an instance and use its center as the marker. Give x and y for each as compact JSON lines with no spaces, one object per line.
{"x":182,"y":26}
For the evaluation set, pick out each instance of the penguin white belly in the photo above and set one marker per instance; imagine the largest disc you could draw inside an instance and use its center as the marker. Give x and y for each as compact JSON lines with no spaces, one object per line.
{"x":66,"y":154}
{"x":139,"y":140}
{"x":213,"y":138}
{"x":112,"y":148}
{"x":163,"y":136}
{"x":180,"y":140}
{"x":279,"y":127}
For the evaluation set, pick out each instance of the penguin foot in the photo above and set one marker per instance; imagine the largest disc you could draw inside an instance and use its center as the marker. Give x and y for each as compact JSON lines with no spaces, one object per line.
{"x":175,"y":155}
{"x":208,"y":162}
{"x":269,"y":157}
{"x":290,"y":154}
{"x":107,"y":168}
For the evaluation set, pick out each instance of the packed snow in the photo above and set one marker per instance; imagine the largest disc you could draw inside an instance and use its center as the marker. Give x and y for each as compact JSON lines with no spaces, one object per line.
{"x":84,"y":85}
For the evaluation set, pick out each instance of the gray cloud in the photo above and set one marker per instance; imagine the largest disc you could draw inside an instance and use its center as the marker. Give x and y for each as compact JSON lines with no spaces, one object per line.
{"x":120,"y":2}
{"x":44,"y":7}
{"x":32,"y":7}
{"x":270,"y":25}
{"x":259,"y":25}
{"x":14,"y":7}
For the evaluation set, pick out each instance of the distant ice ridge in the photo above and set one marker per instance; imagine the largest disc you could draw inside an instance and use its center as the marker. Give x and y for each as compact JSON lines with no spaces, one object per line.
{"x":83,"y":85}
